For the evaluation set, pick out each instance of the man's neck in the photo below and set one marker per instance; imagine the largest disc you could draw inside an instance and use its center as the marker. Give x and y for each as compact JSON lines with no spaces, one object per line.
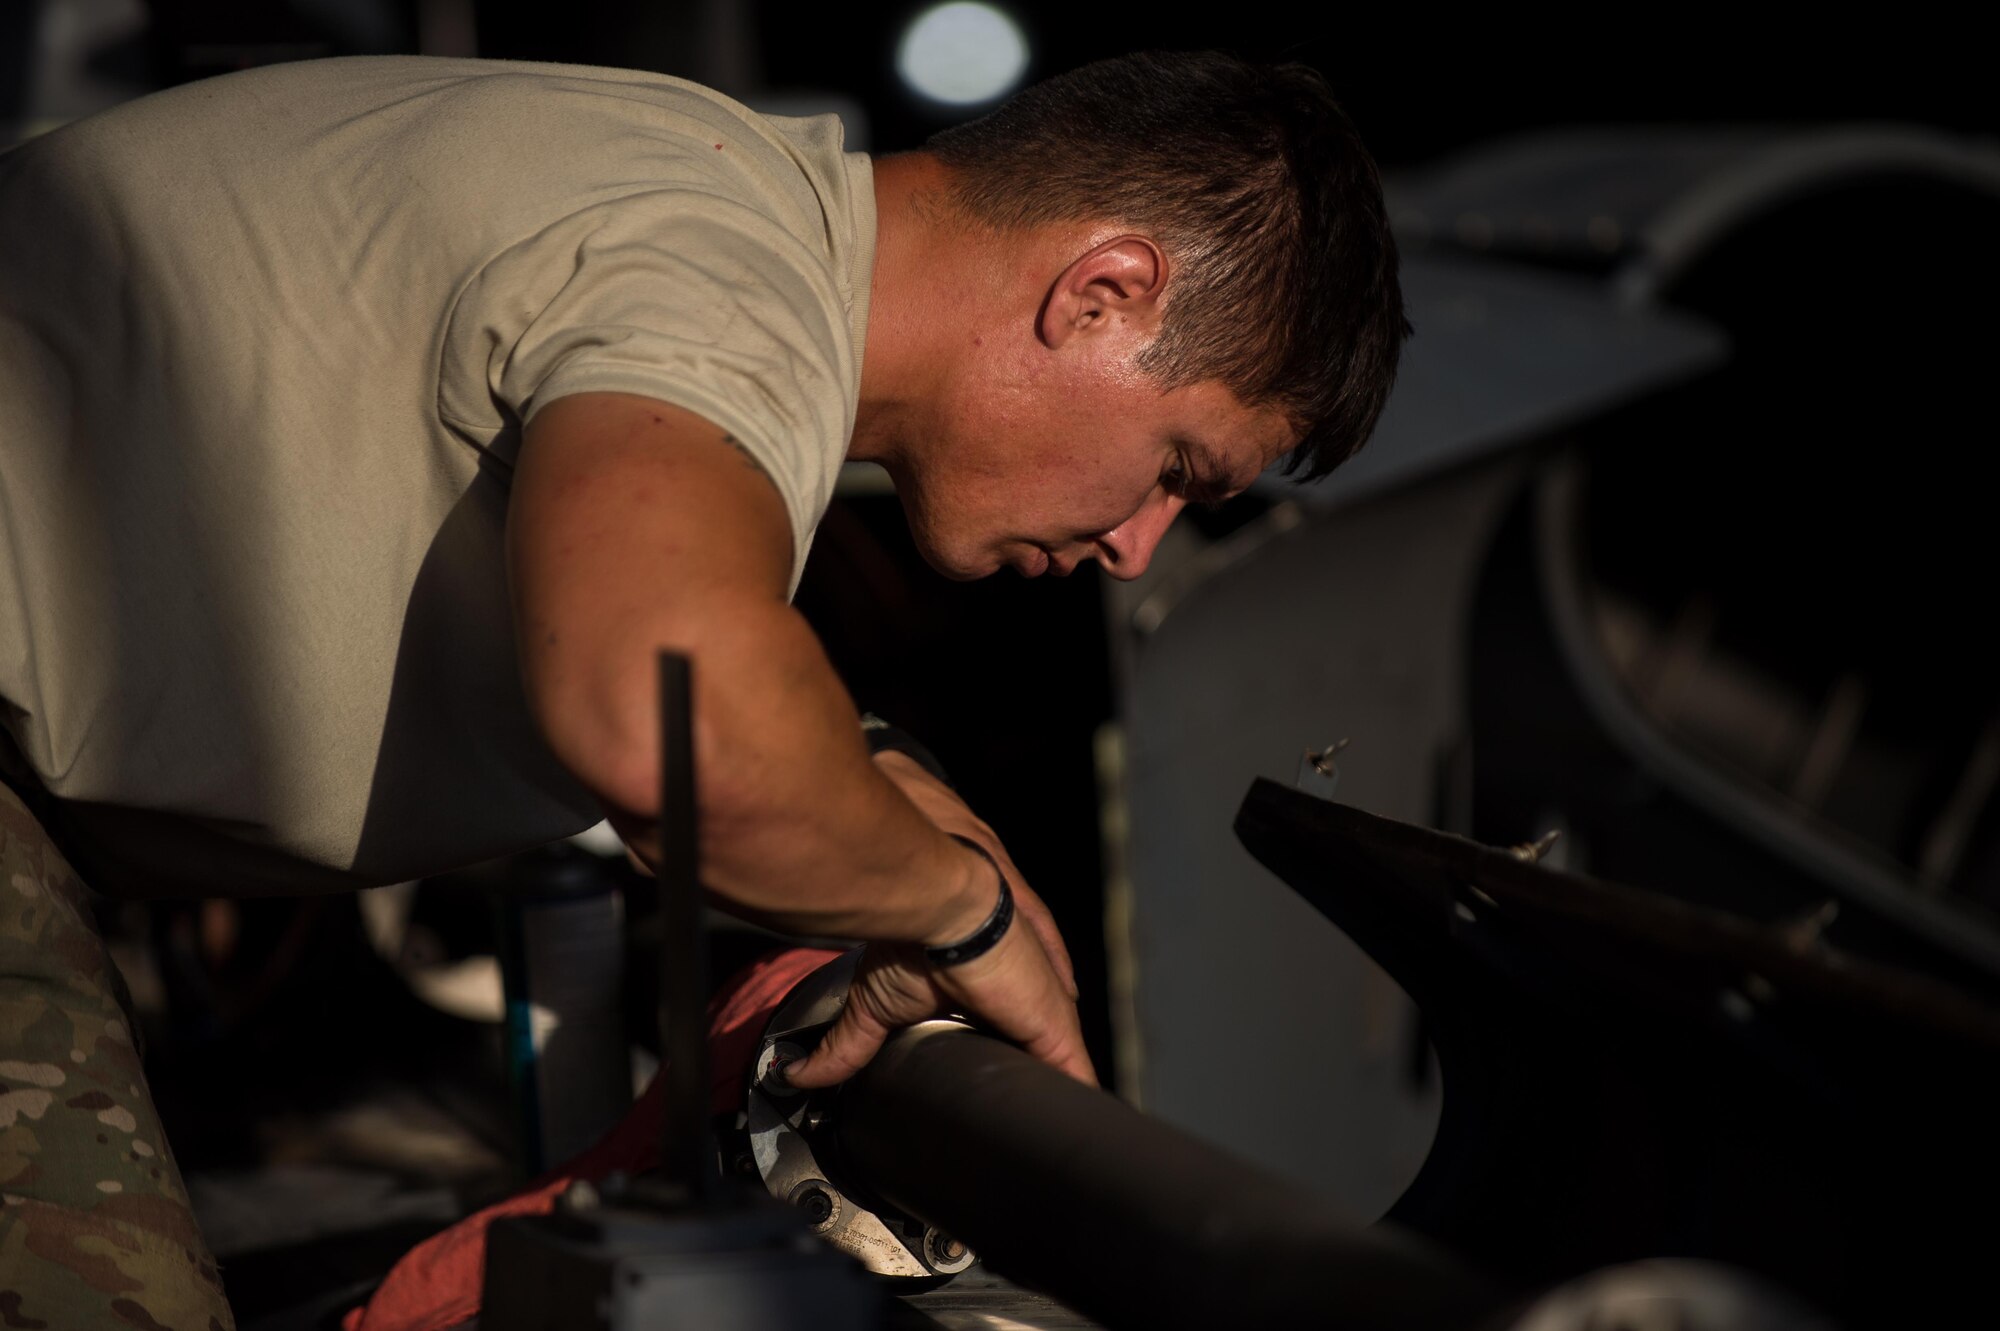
{"x":912,"y":312}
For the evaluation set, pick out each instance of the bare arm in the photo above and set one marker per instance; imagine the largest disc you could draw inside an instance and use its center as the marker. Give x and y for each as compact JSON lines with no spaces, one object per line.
{"x":636,"y":526}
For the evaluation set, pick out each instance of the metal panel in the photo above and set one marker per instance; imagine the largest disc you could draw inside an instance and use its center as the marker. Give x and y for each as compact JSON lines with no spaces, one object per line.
{"x":1502,"y":354}
{"x":1261,"y":1027}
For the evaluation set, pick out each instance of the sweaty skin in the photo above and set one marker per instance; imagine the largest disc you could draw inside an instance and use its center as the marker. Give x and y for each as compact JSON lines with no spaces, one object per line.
{"x":800,"y":829}
{"x":1001,"y":390}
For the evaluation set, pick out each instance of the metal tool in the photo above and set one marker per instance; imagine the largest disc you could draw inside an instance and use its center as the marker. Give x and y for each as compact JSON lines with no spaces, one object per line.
{"x":1629,"y":1074}
{"x":789,"y":1133}
{"x":683,"y":1247}
{"x":1130,"y":1221}
{"x":950,"y":1141}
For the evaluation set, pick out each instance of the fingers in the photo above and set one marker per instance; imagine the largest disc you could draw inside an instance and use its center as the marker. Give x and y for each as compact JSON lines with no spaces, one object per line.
{"x":1037,"y":914}
{"x":1057,"y":1040}
{"x":1014,"y":991}
{"x":856,"y":1038}
{"x":845,"y":1051}
{"x":1063,"y":1050}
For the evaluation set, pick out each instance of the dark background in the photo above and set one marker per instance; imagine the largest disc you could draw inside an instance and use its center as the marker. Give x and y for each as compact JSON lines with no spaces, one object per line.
{"x":1419,"y":81}
{"x":1007,"y":682}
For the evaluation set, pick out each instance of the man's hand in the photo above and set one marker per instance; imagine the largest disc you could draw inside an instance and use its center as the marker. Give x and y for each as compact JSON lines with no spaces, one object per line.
{"x":941,"y":804}
{"x":1012,"y":988}
{"x":1025,"y":988}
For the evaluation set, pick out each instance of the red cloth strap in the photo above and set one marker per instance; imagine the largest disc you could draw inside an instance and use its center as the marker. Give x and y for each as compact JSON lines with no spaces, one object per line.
{"x":436,"y":1284}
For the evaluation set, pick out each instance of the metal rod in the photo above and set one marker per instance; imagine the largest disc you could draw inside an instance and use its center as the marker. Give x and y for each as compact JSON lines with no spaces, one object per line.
{"x":687,"y":1147}
{"x":1130,"y":1221}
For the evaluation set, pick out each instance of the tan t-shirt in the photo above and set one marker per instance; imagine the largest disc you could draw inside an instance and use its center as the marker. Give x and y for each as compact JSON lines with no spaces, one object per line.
{"x":267,"y":343}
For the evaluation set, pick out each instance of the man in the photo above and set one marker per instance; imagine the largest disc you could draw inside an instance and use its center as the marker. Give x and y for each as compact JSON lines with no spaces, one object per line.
{"x":371,"y":424}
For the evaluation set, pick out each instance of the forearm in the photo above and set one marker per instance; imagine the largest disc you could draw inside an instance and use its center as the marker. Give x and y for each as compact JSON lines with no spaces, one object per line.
{"x":799,"y":828}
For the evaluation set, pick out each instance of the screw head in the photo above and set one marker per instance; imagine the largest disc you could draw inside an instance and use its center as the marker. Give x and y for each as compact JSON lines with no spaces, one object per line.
{"x":945,"y":1254}
{"x":771,"y":1069}
{"x":817,"y":1201}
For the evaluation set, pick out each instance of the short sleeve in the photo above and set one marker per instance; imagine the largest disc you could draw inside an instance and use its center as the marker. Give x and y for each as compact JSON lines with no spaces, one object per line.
{"x":687,"y":297}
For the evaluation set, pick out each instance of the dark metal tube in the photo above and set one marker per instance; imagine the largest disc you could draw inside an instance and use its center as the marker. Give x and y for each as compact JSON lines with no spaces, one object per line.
{"x":687,"y":1145}
{"x":1130,"y":1221}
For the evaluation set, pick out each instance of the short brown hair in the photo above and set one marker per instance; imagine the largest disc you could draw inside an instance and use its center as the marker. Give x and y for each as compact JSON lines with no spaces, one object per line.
{"x":1255,"y":183}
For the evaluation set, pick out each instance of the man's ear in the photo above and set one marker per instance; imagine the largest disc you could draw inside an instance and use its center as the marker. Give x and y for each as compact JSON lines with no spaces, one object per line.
{"x":1119,"y":282}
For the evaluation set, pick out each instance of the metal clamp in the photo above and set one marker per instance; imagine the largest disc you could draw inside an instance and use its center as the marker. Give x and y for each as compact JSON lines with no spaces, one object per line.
{"x":784,"y":1124}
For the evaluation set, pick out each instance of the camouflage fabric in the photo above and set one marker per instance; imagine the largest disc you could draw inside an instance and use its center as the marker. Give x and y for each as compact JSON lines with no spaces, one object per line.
{"x":95,"y":1228}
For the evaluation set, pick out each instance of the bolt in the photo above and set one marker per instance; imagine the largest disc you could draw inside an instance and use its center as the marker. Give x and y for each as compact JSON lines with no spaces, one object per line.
{"x":817,"y":1203}
{"x":1323,"y":760}
{"x":945,"y":1254}
{"x":773,"y":1081}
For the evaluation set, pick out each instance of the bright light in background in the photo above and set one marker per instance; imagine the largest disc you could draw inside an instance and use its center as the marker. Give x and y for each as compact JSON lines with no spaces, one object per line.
{"x":962,"y":53}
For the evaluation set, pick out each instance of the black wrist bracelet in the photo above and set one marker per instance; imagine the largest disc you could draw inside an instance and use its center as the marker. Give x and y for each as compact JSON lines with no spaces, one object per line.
{"x":983,"y":939}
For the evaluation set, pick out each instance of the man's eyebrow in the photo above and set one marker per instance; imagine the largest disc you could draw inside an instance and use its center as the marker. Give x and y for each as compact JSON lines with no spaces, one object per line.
{"x":1209,"y":483}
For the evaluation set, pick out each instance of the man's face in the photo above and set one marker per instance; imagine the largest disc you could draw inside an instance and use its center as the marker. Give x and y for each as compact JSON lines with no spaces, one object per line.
{"x":1039,"y":463}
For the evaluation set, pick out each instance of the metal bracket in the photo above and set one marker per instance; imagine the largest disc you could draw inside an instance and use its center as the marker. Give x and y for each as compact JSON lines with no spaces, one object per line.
{"x":784,"y":1123}
{"x":1318,"y":775}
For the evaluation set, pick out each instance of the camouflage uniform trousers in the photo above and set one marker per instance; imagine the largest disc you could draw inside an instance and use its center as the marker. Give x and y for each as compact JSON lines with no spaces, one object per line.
{"x":95,"y":1227}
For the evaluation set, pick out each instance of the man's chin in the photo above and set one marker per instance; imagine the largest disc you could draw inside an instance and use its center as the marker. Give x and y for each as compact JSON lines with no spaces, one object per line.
{"x":956,"y":567}
{"x":968,"y":562}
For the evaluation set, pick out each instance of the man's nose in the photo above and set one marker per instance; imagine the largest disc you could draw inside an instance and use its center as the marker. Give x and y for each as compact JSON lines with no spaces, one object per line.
{"x":1127,"y":549}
